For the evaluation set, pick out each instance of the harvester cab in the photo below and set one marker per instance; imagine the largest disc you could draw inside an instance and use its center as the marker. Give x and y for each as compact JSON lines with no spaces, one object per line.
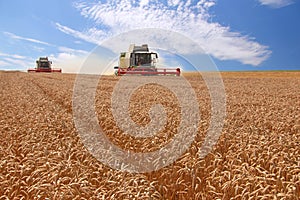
{"x":138,"y":56}
{"x":139,"y":60}
{"x":43,"y":65}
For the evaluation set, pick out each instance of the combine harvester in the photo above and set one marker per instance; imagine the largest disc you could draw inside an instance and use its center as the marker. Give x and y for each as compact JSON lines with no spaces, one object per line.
{"x":44,"y":65}
{"x":140,"y":61}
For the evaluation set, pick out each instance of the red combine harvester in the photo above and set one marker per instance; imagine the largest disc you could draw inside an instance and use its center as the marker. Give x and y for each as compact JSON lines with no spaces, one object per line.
{"x":44,"y":65}
{"x":140,"y":61}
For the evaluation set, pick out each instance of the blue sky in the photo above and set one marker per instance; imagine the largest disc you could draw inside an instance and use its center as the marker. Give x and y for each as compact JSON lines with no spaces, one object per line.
{"x":238,"y":35}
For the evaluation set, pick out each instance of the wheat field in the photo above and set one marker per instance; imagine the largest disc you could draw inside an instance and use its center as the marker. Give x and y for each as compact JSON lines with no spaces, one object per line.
{"x":257,"y":155}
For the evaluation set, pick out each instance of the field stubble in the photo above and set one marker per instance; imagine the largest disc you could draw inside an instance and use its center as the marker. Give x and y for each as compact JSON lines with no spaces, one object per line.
{"x":257,"y":155}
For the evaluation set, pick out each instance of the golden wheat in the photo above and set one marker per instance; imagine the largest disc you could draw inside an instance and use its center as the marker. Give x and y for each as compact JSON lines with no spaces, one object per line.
{"x":256,"y":157}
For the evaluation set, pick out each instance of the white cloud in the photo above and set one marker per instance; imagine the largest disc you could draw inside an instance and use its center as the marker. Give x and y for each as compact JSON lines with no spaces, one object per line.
{"x":144,"y":3}
{"x":77,"y":42}
{"x":68,"y":59}
{"x":11,"y":61}
{"x":78,"y":63}
{"x":276,"y":3}
{"x":190,"y":18}
{"x":156,"y":38}
{"x":173,"y":2}
{"x":72,"y":51}
{"x":38,"y":49}
{"x":93,"y":35}
{"x":3,"y":63}
{"x":16,"y":62}
{"x":69,"y":63}
{"x":12,"y":56}
{"x":16,"y":37}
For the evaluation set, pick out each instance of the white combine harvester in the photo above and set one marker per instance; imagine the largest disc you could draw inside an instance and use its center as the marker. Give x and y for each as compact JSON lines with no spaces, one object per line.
{"x":44,"y":65}
{"x":140,"y":61}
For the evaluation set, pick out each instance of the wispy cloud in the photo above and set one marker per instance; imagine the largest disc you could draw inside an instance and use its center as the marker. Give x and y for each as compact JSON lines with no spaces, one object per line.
{"x":72,"y":51}
{"x":3,"y":63}
{"x":276,"y":3}
{"x":16,"y":37}
{"x":38,"y":48}
{"x":15,"y":56}
{"x":18,"y":62}
{"x":190,"y":18}
{"x":92,"y":35}
{"x":12,"y":60}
